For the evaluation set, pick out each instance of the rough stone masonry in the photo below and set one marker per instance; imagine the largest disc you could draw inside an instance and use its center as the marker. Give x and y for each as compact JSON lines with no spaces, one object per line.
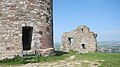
{"x":26,"y":27}
{"x":80,"y":39}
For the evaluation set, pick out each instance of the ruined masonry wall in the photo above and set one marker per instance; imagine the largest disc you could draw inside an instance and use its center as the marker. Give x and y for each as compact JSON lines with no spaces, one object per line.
{"x":79,"y":36}
{"x":15,"y":14}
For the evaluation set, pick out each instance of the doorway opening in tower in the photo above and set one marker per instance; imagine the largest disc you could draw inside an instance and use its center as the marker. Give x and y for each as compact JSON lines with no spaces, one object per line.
{"x":27,"y":37}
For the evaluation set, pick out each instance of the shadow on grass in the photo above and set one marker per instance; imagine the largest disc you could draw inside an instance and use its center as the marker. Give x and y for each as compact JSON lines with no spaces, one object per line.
{"x":59,"y":53}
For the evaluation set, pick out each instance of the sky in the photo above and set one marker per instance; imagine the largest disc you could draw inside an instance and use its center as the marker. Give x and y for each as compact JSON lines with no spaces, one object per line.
{"x":101,"y":16}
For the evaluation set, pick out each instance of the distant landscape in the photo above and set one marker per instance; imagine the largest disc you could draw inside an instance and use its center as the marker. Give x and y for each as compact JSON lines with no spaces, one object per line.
{"x":102,"y":46}
{"x":112,"y":44}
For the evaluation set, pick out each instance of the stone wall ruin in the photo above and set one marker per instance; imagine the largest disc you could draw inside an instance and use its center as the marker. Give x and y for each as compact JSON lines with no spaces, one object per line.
{"x":80,"y":39}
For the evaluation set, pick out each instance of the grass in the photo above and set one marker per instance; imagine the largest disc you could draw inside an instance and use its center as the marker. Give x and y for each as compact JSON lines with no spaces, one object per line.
{"x":85,"y":64}
{"x":109,"y":59}
{"x":13,"y":61}
{"x":105,"y":59}
{"x":34,"y":59}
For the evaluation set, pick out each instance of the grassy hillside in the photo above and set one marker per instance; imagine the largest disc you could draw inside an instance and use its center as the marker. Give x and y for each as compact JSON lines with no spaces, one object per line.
{"x":104,"y":59}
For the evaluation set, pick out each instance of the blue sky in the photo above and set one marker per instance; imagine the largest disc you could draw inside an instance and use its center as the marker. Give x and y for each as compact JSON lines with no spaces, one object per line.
{"x":101,"y":16}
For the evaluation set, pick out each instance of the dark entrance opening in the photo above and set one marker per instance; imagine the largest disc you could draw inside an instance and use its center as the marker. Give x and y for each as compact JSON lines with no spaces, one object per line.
{"x":83,"y":46}
{"x":27,"y":37}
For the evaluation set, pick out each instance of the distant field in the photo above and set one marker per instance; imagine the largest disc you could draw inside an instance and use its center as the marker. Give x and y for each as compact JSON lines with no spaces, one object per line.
{"x":84,"y":60}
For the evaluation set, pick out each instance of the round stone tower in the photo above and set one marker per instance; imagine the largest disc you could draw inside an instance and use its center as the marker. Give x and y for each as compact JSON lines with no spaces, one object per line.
{"x":26,"y":27}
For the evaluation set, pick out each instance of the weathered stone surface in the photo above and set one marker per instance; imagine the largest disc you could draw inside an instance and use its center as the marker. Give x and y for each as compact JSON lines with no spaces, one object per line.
{"x":80,"y":39}
{"x":17,"y":14}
